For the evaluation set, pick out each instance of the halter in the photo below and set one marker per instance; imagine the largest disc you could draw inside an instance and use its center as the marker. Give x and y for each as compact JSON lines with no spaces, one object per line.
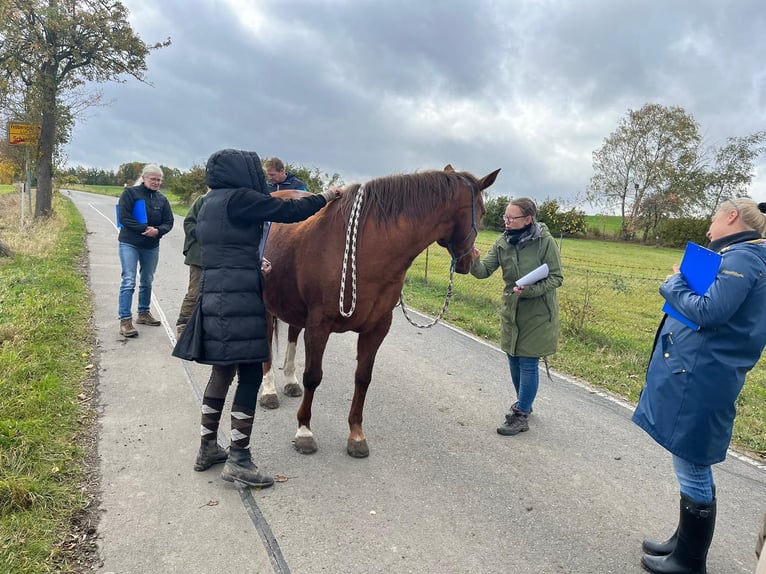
{"x":474,"y":229}
{"x":453,"y":264}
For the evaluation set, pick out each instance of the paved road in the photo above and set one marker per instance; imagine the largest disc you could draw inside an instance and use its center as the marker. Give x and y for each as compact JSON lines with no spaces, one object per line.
{"x":440,"y":493}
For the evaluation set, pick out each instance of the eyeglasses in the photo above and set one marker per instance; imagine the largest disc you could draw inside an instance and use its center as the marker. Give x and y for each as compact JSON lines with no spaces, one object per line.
{"x":512,"y":218}
{"x":159,"y":179}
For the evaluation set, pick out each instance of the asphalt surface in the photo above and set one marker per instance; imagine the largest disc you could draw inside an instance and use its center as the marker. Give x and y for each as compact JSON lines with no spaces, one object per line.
{"x":440,"y":493}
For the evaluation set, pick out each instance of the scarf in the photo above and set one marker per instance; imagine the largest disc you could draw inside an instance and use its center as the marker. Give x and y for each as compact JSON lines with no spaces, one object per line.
{"x":524,"y":234}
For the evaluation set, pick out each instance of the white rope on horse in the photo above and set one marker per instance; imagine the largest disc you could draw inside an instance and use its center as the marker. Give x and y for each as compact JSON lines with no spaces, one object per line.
{"x":350,"y":253}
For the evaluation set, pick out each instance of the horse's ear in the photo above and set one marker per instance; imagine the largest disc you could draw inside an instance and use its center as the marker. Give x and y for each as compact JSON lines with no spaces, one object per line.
{"x":449,"y":169}
{"x":488,"y":180}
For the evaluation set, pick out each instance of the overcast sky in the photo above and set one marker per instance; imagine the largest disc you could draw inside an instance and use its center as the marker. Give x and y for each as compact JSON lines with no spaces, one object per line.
{"x":369,"y":88}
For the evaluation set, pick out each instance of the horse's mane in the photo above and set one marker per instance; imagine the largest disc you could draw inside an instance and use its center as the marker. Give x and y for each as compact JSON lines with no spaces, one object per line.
{"x":412,"y":196}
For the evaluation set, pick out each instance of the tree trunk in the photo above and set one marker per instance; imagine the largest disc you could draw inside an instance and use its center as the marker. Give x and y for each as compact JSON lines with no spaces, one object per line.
{"x":44,"y":203}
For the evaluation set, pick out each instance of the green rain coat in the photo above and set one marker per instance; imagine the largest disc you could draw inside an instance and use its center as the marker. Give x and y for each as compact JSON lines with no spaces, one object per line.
{"x":530,"y":321}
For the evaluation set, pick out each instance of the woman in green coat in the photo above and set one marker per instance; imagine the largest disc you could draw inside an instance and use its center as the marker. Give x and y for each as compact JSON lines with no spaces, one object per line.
{"x":529,"y":315}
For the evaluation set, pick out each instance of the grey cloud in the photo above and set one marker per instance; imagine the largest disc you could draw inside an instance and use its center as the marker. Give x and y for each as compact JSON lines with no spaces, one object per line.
{"x":338,"y":84}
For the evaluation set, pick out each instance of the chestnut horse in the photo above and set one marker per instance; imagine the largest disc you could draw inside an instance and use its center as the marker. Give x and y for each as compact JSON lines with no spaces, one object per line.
{"x":369,"y":237}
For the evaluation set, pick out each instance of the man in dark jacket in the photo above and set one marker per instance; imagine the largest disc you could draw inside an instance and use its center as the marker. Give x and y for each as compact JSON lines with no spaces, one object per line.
{"x":279,"y":178}
{"x":192,"y":258}
{"x":144,"y":217}
{"x":228,"y":327}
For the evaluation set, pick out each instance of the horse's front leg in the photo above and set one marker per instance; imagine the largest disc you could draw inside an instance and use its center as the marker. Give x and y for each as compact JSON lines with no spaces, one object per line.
{"x":315,"y":341}
{"x":292,"y":388}
{"x":366,"y":349}
{"x":269,"y":397}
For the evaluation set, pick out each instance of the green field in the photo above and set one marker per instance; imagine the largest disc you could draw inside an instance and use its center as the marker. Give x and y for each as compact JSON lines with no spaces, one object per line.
{"x":608,"y":226}
{"x":610,"y":309}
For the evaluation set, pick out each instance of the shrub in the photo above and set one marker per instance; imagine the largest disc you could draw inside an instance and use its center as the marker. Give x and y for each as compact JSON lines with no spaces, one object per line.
{"x":676,"y":232}
{"x":495,"y":209}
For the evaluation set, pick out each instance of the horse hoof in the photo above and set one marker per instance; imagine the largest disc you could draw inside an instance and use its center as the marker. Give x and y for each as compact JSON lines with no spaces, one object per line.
{"x":270,"y":401}
{"x":305,"y":444}
{"x":293,"y":390}
{"x":358,"y":448}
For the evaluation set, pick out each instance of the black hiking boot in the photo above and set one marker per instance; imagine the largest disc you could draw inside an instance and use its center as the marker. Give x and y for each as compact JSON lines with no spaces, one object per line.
{"x":515,"y":422}
{"x":239,"y":467}
{"x":209,"y":454}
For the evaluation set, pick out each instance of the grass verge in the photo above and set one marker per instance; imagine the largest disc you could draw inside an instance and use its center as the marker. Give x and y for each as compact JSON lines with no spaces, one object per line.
{"x":610,"y":309}
{"x":45,"y":390}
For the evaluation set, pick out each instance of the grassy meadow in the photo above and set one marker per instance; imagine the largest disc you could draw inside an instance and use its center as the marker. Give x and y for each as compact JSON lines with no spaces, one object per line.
{"x":610,"y":310}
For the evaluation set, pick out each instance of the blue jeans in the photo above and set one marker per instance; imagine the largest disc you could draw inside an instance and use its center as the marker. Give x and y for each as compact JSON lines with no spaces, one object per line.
{"x":695,"y":480}
{"x":130,"y":258}
{"x":525,"y":375}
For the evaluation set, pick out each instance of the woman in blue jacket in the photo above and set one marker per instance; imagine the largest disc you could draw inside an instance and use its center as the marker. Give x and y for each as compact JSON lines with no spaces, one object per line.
{"x":695,"y":376}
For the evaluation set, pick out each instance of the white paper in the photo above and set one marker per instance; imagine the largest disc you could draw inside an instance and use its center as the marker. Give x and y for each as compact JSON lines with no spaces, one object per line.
{"x":533,"y":276}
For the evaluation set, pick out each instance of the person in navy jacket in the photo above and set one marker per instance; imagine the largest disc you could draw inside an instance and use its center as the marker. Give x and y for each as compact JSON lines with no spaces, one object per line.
{"x":279,"y":178}
{"x":139,"y":245}
{"x":695,"y":376}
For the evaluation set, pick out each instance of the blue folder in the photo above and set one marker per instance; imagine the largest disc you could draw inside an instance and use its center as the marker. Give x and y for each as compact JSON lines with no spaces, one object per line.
{"x":699,"y":268}
{"x":139,"y":212}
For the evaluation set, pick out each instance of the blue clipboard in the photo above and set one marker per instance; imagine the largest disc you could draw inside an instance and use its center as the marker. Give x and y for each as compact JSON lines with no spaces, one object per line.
{"x":699,"y":268}
{"x":139,"y":212}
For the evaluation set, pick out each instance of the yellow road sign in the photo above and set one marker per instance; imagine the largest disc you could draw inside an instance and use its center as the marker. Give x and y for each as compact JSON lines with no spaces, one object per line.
{"x":22,"y":133}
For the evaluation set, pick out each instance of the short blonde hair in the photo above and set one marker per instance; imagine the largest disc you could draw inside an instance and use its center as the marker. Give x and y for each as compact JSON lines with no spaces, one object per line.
{"x":750,"y":212}
{"x":149,"y":168}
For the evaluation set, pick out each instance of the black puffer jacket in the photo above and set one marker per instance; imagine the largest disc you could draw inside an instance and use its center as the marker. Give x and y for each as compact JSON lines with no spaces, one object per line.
{"x":229,"y":325}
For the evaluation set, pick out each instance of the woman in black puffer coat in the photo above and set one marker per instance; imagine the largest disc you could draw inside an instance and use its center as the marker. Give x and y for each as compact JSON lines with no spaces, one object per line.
{"x":228,"y":327}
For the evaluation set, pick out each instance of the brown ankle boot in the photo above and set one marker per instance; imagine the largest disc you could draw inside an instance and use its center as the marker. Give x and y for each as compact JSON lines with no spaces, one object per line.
{"x":146,"y":318}
{"x":127,"y":329}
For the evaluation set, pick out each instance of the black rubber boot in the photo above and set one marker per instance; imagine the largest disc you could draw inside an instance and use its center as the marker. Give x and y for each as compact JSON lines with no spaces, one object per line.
{"x":209,"y":454}
{"x":657,"y":548}
{"x":695,"y":533}
{"x":239,"y":467}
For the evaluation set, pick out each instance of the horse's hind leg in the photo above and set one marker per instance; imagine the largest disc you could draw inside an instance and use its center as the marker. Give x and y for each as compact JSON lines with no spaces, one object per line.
{"x":315,"y":341}
{"x":292,"y":388}
{"x":366,"y":349}
{"x":269,"y":397}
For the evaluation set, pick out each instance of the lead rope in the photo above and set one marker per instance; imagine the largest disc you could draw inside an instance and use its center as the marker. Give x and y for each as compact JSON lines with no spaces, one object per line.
{"x":444,"y":308}
{"x":350,"y":252}
{"x":455,"y":259}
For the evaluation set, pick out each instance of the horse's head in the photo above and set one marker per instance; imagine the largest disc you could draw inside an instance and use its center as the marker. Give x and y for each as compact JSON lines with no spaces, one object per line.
{"x":463,"y":236}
